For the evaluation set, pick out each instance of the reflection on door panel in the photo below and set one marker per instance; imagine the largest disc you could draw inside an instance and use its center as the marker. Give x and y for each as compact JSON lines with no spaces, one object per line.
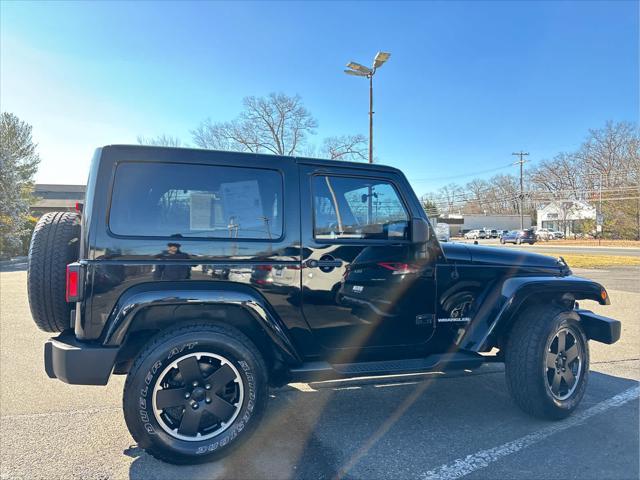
{"x":369,"y":295}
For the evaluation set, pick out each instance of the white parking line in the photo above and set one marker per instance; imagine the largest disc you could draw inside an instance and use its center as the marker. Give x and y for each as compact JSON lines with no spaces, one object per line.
{"x":464,"y":466}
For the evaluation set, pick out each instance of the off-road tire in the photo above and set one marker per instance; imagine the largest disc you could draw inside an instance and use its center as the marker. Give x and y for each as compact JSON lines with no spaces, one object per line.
{"x":526,"y":375}
{"x":170,"y":346}
{"x":54,"y":244}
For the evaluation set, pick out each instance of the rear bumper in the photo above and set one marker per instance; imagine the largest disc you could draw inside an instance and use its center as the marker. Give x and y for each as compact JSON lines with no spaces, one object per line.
{"x":599,"y":328}
{"x":78,"y":363}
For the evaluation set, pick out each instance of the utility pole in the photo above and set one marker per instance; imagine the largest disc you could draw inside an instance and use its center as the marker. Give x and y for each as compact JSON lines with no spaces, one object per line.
{"x":599,"y":221}
{"x":521,"y":154}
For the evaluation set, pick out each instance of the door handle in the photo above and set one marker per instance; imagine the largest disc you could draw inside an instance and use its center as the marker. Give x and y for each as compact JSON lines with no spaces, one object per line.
{"x":313,"y":263}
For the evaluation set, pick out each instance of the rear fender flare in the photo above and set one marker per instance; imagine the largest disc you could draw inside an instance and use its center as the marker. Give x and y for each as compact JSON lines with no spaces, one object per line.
{"x":153,"y":294}
{"x":499,"y":307}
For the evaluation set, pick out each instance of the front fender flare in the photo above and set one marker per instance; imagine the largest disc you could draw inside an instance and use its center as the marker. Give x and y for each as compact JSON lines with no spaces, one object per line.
{"x":503,"y":301}
{"x":153,"y":294}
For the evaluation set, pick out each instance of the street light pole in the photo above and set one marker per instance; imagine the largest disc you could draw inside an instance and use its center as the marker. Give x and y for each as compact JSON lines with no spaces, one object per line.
{"x":371,"y":116}
{"x":361,"y":71}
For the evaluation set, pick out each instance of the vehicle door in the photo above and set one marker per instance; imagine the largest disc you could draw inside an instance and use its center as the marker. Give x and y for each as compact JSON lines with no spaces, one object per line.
{"x":363,"y":283}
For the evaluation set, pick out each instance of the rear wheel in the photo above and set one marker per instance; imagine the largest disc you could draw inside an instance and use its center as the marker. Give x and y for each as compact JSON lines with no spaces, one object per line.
{"x":502,"y":241}
{"x":195,"y":393}
{"x":547,"y":362}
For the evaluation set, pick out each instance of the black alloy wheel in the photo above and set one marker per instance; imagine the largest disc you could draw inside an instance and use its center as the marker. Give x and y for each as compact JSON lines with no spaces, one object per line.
{"x":197,"y":396}
{"x":563,"y":363}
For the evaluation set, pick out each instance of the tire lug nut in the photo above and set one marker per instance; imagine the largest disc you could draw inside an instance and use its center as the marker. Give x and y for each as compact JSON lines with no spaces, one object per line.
{"x":195,"y":384}
{"x":207,"y":387}
{"x":208,"y":400}
{"x":187,"y":395}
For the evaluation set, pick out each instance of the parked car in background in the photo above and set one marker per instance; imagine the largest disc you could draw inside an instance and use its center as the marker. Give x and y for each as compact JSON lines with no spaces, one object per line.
{"x":443,"y":232}
{"x":502,"y":232}
{"x":475,"y":234}
{"x":519,"y":236}
{"x":492,"y":233}
{"x":544,"y":234}
{"x":558,"y":234}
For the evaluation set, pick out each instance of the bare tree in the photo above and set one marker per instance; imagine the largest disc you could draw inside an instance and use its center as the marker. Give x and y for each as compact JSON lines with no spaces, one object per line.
{"x":160,"y":141}
{"x":450,"y":195}
{"x":276,"y":124}
{"x":345,"y":147}
{"x":478,"y":191}
{"x":561,"y":176}
{"x":611,"y":151}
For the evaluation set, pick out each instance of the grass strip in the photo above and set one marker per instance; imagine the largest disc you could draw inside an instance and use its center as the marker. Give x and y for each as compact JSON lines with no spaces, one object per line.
{"x":579,"y":260}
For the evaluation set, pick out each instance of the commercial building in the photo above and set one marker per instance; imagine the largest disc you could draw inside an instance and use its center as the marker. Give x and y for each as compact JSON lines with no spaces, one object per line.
{"x":56,"y":198}
{"x":565,"y":216}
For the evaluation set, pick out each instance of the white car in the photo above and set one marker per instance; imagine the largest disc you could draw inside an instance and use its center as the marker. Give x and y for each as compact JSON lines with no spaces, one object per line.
{"x":544,"y":234}
{"x":475,"y":234}
{"x":443,"y":232}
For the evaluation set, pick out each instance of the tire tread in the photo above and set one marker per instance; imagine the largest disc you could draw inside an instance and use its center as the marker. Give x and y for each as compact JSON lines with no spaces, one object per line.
{"x":522,"y":365}
{"x":193,"y":327}
{"x":54,"y":244}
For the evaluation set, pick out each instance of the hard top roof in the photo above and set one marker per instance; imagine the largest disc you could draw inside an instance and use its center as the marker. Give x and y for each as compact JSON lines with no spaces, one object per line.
{"x":140,"y":153}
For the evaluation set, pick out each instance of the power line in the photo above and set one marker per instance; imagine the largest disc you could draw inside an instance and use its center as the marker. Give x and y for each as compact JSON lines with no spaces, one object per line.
{"x":465,"y":175}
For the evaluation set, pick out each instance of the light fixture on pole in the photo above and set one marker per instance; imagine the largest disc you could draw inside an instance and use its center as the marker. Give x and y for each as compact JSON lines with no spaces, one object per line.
{"x":358,"y":70}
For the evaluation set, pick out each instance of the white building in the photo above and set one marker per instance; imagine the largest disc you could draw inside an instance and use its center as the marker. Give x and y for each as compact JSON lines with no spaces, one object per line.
{"x":565,"y":216}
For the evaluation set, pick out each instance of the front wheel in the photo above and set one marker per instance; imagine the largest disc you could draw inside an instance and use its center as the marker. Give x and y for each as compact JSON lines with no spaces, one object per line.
{"x":547,"y":362}
{"x":502,"y":241}
{"x":194,"y":393}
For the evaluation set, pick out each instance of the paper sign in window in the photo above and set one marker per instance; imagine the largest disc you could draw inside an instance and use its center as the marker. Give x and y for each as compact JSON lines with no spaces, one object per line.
{"x":243,"y":205}
{"x":201,"y":212}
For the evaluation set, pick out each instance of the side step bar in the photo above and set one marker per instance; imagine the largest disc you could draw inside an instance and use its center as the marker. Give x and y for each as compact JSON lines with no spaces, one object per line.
{"x":316,"y":371}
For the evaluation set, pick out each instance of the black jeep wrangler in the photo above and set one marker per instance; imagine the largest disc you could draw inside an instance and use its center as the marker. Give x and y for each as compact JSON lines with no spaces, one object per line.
{"x":208,"y":276}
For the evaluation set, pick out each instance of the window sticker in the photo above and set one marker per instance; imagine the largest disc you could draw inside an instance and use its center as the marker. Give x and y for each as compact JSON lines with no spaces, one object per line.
{"x":242,"y":205}
{"x":201,"y":212}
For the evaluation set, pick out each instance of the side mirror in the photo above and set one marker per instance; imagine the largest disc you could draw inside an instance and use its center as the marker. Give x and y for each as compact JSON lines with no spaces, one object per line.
{"x":420,"y":230}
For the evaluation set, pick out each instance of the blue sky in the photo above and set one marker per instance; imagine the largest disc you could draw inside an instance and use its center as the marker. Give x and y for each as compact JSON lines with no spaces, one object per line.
{"x":467,"y":84}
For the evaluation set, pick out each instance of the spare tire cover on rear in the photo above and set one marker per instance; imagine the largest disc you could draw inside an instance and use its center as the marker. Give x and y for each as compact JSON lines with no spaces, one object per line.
{"x":54,"y":244}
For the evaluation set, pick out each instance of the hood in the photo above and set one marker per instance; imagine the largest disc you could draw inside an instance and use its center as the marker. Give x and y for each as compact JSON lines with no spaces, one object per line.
{"x":498,"y":256}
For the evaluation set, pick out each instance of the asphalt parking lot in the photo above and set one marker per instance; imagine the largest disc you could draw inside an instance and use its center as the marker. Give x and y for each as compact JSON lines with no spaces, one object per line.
{"x":428,"y":426}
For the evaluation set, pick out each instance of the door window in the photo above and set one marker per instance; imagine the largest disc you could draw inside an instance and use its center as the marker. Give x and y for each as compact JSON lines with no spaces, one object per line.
{"x":357,"y":208}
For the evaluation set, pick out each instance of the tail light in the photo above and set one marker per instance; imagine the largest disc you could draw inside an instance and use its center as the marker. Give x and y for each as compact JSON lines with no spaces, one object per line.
{"x":74,"y":283}
{"x":399,"y":268}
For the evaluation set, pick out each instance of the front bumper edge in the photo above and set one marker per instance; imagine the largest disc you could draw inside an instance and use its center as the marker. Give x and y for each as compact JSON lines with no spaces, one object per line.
{"x":599,"y":328}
